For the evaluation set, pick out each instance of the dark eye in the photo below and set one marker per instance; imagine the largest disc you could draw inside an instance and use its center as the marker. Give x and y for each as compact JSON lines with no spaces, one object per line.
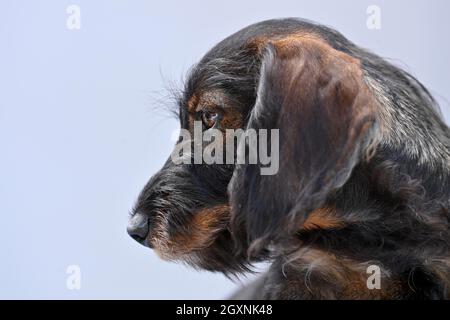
{"x":209,"y":118}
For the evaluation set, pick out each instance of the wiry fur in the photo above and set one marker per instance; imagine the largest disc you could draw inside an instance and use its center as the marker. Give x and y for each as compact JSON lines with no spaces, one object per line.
{"x":375,"y":152}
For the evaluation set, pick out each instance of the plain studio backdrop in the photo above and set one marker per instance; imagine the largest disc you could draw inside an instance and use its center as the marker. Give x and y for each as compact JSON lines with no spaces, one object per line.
{"x":79,"y":137}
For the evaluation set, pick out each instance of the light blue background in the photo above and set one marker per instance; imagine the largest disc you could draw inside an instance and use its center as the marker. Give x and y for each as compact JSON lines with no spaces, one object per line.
{"x":79,"y":137}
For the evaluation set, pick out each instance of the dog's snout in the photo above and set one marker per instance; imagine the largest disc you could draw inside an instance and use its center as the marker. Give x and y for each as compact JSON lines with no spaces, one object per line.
{"x":138,"y":228}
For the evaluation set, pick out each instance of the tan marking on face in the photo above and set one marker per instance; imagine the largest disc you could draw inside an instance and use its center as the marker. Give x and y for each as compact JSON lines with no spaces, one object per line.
{"x":192,"y":103}
{"x":199,"y":233}
{"x":232,"y":119}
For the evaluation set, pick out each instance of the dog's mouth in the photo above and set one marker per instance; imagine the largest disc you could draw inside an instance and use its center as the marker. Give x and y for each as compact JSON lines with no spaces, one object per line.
{"x":195,"y":235}
{"x":145,"y":242}
{"x":216,"y":254}
{"x":204,"y":241}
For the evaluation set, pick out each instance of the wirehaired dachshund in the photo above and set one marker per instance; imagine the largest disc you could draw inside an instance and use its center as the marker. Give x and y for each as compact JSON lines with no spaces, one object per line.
{"x":363,"y":180}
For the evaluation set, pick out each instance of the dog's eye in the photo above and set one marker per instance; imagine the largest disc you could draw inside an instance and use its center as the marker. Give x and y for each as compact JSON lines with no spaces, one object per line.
{"x":209,"y":118}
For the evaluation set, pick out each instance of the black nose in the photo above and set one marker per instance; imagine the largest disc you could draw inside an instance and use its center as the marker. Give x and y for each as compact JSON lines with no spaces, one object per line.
{"x":138,"y":228}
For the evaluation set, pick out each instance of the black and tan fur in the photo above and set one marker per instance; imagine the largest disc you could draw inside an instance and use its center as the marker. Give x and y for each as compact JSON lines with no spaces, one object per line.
{"x":364,"y":172}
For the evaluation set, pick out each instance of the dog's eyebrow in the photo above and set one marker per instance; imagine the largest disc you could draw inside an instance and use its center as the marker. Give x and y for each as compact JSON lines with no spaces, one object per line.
{"x":192,"y":103}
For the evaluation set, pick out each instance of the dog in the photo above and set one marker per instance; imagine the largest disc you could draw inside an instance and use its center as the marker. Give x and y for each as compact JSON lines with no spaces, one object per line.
{"x":363,"y":182}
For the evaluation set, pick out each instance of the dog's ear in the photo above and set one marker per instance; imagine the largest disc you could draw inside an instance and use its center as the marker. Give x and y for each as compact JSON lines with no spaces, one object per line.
{"x":317,"y":97}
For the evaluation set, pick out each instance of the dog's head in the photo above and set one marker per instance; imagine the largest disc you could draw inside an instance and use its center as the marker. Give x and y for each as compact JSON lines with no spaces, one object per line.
{"x":304,"y":80}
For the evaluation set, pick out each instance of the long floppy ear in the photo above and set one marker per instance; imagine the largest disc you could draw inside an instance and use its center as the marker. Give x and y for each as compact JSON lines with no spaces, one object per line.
{"x":317,"y":98}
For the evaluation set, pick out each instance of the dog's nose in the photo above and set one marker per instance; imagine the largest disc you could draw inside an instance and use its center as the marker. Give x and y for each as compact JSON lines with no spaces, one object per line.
{"x":138,"y":228}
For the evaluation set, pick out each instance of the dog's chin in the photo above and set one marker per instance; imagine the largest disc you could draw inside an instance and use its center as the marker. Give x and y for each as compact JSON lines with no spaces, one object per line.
{"x":219,"y":256}
{"x":214,"y":260}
